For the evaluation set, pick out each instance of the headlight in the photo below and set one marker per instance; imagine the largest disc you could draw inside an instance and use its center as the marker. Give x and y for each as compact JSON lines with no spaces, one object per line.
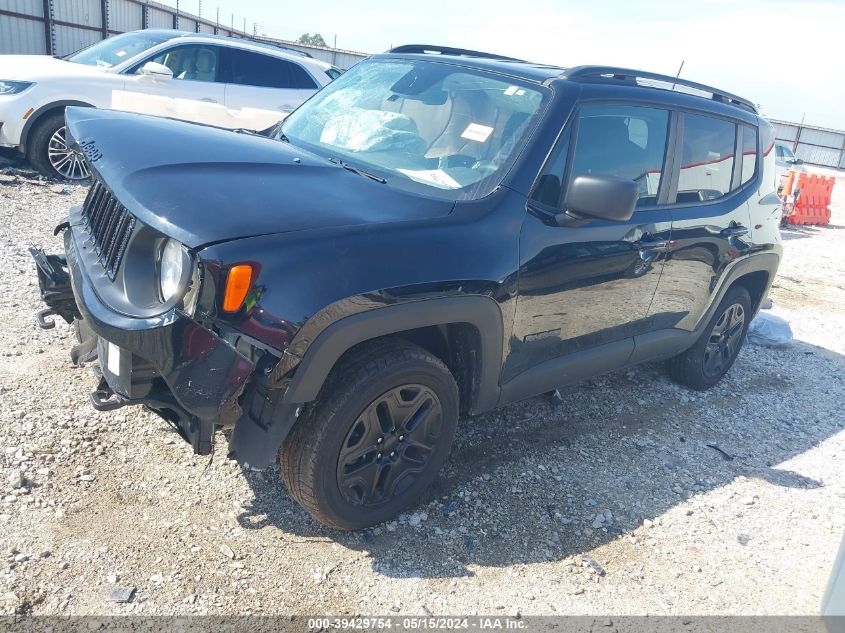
{"x":171,"y":268}
{"x":14,"y":87}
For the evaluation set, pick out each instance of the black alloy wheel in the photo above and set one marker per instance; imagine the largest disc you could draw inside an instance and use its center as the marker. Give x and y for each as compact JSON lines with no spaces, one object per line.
{"x":724,"y":341}
{"x":711,"y":356}
{"x":376,"y":436}
{"x":389,"y":445}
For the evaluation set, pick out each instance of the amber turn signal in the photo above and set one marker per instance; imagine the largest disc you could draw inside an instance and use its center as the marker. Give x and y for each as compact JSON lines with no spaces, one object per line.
{"x":237,"y":285}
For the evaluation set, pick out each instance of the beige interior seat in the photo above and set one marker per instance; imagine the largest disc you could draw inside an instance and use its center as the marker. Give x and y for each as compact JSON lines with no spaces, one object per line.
{"x":441,"y":125}
{"x":204,"y":67}
{"x":468,"y":106}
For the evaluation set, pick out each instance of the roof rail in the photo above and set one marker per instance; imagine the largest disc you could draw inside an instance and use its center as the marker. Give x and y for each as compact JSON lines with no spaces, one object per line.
{"x":251,"y":40}
{"x":432,"y":49}
{"x":612,"y":73}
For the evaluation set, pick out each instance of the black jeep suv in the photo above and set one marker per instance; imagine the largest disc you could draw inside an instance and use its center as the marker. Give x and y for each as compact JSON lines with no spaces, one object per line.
{"x":436,"y":233}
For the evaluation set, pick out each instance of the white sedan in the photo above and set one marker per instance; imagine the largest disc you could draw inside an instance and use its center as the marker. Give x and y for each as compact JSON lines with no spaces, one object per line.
{"x":216,"y":80}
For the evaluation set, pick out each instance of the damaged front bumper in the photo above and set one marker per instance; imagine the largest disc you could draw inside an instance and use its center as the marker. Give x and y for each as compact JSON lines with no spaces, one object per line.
{"x":171,"y":364}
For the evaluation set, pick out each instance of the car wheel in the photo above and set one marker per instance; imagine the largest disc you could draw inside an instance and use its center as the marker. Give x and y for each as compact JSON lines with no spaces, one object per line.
{"x":50,"y":153}
{"x":375,"y":439}
{"x":703,"y":365}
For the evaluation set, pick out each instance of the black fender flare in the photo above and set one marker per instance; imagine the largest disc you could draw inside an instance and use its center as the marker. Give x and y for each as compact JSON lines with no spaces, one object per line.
{"x":482,"y":312}
{"x":33,"y":118}
{"x":767,"y":262}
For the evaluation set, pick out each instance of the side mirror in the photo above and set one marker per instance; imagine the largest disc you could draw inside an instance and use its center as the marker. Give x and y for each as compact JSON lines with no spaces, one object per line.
{"x":604,"y":197}
{"x":797,"y":161}
{"x":156,"y":71}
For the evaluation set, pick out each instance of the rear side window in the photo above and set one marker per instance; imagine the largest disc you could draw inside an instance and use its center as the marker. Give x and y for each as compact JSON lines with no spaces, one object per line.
{"x":749,"y":152}
{"x":334,"y":73}
{"x":246,"y":68}
{"x":707,"y":160}
{"x":624,"y":141}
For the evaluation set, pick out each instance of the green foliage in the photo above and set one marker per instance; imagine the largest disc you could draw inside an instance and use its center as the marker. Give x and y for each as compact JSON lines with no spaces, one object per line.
{"x":313,"y":40}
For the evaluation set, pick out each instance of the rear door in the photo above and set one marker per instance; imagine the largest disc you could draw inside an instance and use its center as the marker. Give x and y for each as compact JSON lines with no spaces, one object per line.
{"x":589,"y":286}
{"x":262,"y":89}
{"x":193,"y":94}
{"x":710,"y":215}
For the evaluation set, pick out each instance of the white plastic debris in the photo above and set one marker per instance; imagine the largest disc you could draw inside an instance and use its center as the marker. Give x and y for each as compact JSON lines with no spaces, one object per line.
{"x":769,"y":330}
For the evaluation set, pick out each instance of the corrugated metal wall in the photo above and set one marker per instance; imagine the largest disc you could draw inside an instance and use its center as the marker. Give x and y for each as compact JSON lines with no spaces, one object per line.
{"x":813,"y":145}
{"x":74,"y":24}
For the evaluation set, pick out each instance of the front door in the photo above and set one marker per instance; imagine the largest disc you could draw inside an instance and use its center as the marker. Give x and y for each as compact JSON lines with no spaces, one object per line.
{"x":193,"y":94}
{"x":591,"y":285}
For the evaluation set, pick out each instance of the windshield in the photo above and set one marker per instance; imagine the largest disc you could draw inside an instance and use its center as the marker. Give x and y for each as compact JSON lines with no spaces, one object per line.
{"x":431,"y":127}
{"x":118,"y":49}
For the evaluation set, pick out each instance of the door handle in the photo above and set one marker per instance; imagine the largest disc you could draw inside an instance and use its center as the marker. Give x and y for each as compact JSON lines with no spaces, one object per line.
{"x":660,"y":245}
{"x":285,"y":108}
{"x":209,"y":100}
{"x":734,"y":231}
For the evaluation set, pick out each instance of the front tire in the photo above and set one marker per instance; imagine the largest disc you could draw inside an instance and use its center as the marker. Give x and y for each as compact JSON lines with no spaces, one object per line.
{"x":48,"y":150}
{"x":376,"y":437}
{"x":704,"y":364}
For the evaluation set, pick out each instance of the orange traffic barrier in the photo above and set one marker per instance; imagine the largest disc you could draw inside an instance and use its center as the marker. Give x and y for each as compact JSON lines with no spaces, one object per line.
{"x":813,"y":203}
{"x":787,"y":184}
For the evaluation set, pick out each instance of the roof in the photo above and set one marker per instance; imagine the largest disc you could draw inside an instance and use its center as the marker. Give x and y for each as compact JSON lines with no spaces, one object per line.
{"x":276,"y":48}
{"x":527,"y":70}
{"x":541,"y":73}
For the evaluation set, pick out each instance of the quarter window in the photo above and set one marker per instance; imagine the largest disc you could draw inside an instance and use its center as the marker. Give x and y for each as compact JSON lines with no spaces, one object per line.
{"x":247,"y":68}
{"x":549,"y":186}
{"x":707,"y":159}
{"x":749,"y":152}
{"x":624,"y":141}
{"x":193,"y":63}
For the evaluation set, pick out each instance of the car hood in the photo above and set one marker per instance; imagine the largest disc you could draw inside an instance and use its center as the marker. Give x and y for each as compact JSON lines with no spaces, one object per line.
{"x":200,"y":184}
{"x":35,"y":67}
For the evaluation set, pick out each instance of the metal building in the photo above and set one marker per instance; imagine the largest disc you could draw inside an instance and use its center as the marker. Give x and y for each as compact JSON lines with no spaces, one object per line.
{"x":60,"y":27}
{"x":814,"y":145}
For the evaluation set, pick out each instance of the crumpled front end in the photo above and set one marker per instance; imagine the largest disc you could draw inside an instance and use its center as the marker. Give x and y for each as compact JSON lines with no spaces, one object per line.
{"x":168,"y":362}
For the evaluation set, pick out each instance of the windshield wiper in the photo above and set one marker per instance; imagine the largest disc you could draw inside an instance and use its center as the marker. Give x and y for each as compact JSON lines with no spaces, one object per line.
{"x":356,"y":170}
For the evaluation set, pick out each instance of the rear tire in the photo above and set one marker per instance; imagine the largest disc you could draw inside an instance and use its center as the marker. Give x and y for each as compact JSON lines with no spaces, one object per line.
{"x":48,"y":152}
{"x":705,"y":363}
{"x":375,"y":438}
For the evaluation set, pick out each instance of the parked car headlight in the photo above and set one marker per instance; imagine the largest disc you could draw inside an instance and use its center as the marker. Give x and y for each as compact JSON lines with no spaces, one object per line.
{"x":172,"y":266}
{"x":13,"y":87}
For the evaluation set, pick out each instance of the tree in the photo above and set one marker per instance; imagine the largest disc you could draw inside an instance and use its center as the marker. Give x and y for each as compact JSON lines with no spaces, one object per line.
{"x":312,"y":40}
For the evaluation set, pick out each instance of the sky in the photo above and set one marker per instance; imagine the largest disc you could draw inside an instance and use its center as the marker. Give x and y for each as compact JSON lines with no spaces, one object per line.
{"x":786,"y":56}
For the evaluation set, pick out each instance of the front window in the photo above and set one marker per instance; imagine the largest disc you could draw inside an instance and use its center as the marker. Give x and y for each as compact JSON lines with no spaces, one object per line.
{"x":193,"y":62}
{"x":118,"y":49}
{"x":624,"y":141}
{"x":442,"y":130}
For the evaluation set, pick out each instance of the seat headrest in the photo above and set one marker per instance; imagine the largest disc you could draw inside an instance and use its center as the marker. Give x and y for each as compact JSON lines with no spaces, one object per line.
{"x":205,"y":61}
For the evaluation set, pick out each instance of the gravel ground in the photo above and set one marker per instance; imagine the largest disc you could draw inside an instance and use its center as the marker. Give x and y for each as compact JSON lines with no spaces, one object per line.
{"x":614,"y":502}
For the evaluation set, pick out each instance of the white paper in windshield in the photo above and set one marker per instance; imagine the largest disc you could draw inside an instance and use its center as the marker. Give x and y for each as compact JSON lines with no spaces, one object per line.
{"x":436,"y":177}
{"x":477,"y":132}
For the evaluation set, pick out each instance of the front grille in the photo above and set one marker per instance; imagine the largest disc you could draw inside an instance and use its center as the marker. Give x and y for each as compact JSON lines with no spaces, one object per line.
{"x":109,"y":225}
